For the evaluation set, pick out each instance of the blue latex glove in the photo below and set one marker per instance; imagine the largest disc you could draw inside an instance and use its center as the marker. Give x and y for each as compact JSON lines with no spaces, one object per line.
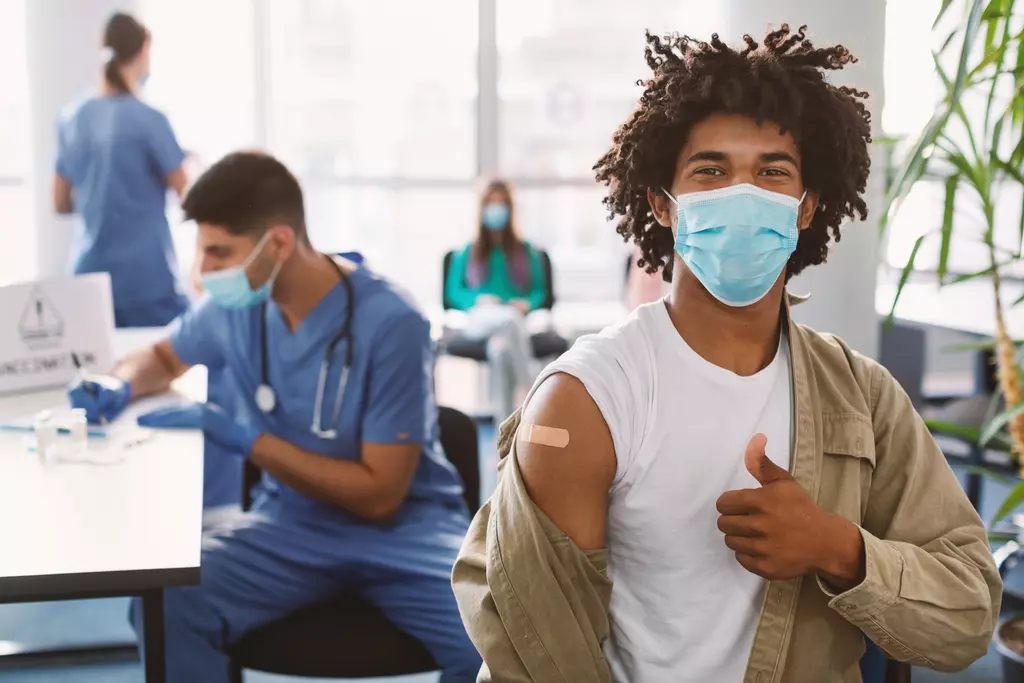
{"x":102,"y":397}
{"x":212,"y":419}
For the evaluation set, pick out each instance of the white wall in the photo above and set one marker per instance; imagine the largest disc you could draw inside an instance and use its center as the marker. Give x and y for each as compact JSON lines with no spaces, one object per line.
{"x":63,"y":42}
{"x":843,"y":290}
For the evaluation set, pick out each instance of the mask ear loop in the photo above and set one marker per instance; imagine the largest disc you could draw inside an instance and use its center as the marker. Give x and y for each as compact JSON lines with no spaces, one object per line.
{"x":800,"y":208}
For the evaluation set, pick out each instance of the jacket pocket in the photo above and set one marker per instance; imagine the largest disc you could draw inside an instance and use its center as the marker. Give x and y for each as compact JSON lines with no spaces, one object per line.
{"x":848,"y":447}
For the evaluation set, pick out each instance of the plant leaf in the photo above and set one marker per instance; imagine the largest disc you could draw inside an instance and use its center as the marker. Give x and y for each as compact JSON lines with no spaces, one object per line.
{"x":942,"y":11}
{"x":908,"y":268}
{"x":947,"y":225}
{"x":913,"y":166}
{"x":992,"y":427}
{"x":989,"y":474}
{"x":1013,"y":499}
{"x":966,"y":432}
{"x":971,"y":276}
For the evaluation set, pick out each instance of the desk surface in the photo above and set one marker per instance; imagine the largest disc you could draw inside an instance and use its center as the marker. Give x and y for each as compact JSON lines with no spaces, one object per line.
{"x":69,"y":529}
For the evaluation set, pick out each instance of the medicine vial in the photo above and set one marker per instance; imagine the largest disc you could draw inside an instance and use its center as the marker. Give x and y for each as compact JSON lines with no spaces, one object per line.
{"x":79,"y":433}
{"x":46,"y":434}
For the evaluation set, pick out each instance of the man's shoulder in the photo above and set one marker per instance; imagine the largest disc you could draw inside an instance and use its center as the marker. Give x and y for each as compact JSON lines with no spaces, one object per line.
{"x":383,"y":304}
{"x":623,"y":338}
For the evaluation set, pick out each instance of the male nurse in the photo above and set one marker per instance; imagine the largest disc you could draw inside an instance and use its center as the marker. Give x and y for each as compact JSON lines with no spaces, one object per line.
{"x":335,"y":404}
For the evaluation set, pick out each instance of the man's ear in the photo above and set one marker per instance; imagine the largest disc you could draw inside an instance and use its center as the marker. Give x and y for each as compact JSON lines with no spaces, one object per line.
{"x":661,"y":207}
{"x":282,"y":242}
{"x":808,"y":208}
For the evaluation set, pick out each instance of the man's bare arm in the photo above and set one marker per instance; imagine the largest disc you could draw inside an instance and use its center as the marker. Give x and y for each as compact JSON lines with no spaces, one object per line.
{"x":373,"y":487}
{"x":63,"y":195}
{"x":151,"y":370}
{"x":569,"y":484}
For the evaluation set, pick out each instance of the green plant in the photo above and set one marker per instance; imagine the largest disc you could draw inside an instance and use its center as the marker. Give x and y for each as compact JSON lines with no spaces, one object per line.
{"x":974,"y":146}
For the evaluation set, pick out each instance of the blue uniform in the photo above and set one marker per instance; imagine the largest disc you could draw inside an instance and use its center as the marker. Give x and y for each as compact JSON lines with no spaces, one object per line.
{"x":290,"y":550}
{"x":222,"y":468}
{"x":116,"y":152}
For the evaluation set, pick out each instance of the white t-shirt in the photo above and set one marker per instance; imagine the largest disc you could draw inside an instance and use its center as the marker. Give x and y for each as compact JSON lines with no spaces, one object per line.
{"x":682,"y":608}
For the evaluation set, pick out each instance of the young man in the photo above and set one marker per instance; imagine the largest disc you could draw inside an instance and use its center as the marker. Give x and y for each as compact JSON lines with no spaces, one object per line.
{"x":333,"y":369}
{"x":709,"y":491}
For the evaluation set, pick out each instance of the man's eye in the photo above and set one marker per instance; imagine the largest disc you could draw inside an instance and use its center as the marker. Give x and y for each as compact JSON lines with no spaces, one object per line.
{"x":775,"y":172}
{"x":709,"y":170}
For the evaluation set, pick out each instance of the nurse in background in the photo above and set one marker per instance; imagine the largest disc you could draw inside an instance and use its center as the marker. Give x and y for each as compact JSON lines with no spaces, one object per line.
{"x":498,"y":278}
{"x":116,"y":159}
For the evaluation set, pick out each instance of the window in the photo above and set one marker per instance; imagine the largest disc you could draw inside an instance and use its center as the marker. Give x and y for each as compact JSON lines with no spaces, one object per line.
{"x":373,"y":106}
{"x":16,"y":257}
{"x":912,"y":91}
{"x":568,"y":74}
{"x":203,"y":79}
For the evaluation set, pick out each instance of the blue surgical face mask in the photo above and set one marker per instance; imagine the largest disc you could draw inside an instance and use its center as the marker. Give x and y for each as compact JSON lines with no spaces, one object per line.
{"x":495,"y":216}
{"x":736,"y":240}
{"x":230,"y":287}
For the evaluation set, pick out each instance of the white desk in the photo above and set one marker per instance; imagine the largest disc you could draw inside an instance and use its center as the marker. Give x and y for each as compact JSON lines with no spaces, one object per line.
{"x":70,"y":530}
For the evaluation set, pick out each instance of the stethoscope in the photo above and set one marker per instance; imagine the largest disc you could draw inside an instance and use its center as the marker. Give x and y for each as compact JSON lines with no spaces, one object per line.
{"x":266,"y":397}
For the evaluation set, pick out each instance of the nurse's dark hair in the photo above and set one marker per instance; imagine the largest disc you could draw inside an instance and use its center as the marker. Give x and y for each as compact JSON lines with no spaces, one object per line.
{"x":246,"y":193}
{"x":124,"y":37}
{"x":782,"y":81}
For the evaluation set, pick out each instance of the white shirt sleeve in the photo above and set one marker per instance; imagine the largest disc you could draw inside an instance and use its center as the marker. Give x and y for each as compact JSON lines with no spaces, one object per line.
{"x":616,"y":367}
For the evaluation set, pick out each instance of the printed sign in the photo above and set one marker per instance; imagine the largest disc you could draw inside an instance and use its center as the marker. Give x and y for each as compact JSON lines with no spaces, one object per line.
{"x":48,"y":321}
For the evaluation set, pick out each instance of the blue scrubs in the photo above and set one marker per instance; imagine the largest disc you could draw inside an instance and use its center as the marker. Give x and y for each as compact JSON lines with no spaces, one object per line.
{"x":222,"y":469}
{"x":290,"y":550}
{"x":116,"y":152}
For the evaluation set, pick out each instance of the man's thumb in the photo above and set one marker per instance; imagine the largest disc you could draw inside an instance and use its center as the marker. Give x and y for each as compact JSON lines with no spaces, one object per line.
{"x":759,"y":465}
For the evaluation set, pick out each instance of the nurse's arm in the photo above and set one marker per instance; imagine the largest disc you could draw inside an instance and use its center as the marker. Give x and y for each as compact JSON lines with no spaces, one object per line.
{"x":178,"y":181}
{"x":62,"y":195}
{"x":151,"y":370}
{"x":373,"y":487}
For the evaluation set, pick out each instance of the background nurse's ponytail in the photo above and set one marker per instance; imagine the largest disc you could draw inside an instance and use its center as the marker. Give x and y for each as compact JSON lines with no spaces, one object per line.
{"x":123,"y":39}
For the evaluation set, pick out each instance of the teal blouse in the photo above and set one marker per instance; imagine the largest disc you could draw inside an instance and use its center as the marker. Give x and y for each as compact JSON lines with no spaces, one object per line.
{"x":499,"y":280}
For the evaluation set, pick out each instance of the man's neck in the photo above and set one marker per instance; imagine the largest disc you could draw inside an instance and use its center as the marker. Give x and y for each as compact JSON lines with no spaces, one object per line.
{"x":742,"y":340}
{"x":302,"y":284}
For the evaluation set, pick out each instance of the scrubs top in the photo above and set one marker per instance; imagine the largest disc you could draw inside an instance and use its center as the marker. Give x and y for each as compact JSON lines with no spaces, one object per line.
{"x":388,"y":399}
{"x":116,"y":152}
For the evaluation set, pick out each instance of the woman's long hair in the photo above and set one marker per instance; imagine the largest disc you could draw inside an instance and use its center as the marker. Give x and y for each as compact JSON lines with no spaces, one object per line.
{"x":123,"y":38}
{"x":508,"y":239}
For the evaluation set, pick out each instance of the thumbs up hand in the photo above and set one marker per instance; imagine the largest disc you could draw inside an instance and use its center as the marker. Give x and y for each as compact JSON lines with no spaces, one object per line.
{"x":777,"y":531}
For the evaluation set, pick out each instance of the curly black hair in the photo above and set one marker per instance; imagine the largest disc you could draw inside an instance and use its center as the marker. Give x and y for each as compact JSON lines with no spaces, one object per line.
{"x":781,"y":82}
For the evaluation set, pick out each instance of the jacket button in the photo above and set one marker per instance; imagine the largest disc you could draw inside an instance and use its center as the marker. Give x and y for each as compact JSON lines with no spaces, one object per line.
{"x":884,"y":641}
{"x":858,"y":442}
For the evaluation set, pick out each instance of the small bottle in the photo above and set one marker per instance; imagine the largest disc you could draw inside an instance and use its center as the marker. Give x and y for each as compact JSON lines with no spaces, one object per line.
{"x":46,"y":434}
{"x":79,"y":433}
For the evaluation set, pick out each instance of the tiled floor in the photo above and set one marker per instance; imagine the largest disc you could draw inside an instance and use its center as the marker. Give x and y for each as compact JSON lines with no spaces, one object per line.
{"x":105,"y":619}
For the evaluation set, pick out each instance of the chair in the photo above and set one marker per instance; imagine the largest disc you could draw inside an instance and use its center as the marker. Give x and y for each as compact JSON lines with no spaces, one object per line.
{"x":876,"y":668}
{"x":347,"y":637}
{"x":545,"y":344}
{"x":902,"y":353}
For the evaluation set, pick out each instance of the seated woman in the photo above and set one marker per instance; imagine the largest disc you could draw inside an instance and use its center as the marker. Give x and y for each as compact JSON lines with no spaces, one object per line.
{"x":498,"y":278}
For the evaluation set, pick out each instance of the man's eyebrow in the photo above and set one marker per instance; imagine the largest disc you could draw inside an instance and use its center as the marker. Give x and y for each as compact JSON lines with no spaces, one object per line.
{"x":769,"y":157}
{"x":710,"y":155}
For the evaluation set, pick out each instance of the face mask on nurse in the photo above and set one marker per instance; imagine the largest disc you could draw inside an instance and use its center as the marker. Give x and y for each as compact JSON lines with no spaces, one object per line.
{"x":230,"y":287}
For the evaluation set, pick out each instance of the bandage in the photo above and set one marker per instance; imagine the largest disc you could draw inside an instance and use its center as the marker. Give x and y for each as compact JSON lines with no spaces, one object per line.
{"x":544,"y":436}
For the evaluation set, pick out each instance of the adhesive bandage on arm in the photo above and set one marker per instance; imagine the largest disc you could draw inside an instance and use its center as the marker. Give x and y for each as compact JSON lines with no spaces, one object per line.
{"x":544,"y":436}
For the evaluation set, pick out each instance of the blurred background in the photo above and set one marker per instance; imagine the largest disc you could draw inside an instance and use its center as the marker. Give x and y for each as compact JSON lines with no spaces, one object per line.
{"x":393,"y":113}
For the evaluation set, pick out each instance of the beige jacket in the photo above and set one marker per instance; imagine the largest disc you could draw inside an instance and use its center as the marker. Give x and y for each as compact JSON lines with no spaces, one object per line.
{"x":536,"y":606}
